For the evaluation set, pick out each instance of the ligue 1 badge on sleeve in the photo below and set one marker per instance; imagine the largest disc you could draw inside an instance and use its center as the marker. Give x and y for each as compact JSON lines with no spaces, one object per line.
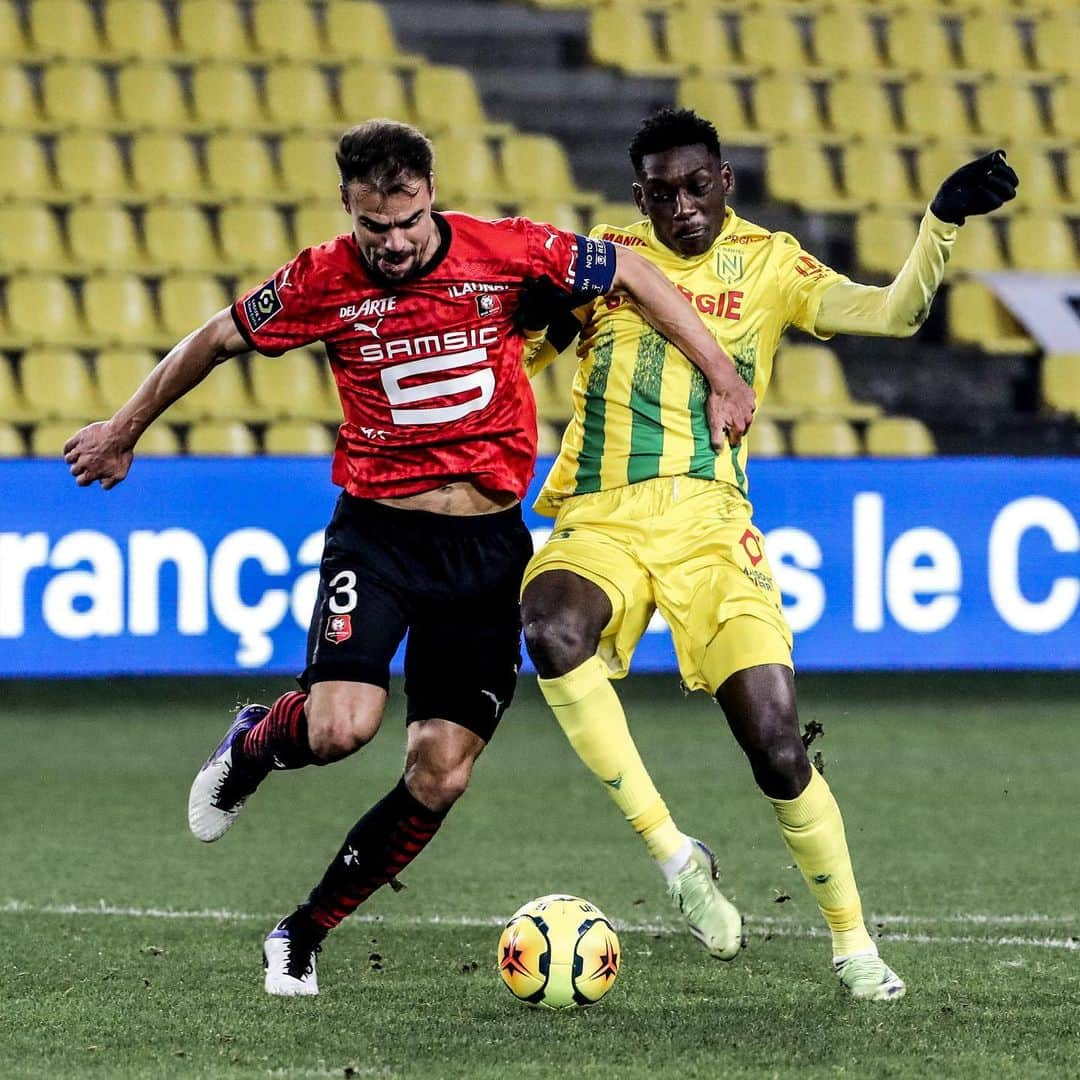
{"x":338,"y":628}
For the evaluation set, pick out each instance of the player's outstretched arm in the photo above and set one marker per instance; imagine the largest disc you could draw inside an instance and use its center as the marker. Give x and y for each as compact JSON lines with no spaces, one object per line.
{"x":899,"y":309}
{"x":731,"y":402}
{"x":103,"y":451}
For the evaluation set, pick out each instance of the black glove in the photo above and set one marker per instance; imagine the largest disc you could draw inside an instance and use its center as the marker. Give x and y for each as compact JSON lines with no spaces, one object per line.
{"x":978,"y":187}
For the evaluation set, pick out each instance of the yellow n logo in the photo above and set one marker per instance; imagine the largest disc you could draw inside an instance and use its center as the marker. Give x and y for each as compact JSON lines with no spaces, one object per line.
{"x":729,"y":266}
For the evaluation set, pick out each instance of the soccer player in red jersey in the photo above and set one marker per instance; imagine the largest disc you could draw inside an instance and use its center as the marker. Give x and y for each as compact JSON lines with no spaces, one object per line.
{"x":419,"y":314}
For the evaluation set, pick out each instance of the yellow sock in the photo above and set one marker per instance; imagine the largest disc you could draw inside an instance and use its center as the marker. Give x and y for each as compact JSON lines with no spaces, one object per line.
{"x":590,"y":714}
{"x":814,"y":833}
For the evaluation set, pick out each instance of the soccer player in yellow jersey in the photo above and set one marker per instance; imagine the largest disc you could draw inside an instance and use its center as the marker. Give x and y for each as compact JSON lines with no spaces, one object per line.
{"x":649,"y":515}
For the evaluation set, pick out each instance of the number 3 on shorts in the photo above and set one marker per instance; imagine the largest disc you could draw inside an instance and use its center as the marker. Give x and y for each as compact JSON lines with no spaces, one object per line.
{"x":344,"y":597}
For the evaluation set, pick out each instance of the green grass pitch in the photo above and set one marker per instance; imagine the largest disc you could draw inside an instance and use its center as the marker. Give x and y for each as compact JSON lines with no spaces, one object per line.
{"x":130,"y":950}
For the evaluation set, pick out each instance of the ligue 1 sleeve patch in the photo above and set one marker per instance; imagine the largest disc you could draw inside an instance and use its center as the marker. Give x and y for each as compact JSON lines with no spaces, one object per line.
{"x":262,"y":306}
{"x":338,"y":628}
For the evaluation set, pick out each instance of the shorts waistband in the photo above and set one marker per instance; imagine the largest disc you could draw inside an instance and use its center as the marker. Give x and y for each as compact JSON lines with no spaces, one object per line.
{"x":425,"y":521}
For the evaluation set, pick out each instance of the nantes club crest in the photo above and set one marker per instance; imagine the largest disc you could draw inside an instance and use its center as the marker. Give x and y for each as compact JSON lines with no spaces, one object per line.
{"x":339,"y":628}
{"x":729,"y":266}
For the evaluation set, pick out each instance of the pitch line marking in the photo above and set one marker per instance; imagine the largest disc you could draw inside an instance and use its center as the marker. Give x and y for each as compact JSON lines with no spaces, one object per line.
{"x":776,"y":926}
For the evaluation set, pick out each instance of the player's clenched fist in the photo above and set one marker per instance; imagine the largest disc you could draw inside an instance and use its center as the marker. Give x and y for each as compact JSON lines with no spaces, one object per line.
{"x":95,"y":453}
{"x":978,"y":187}
{"x":730,"y":411}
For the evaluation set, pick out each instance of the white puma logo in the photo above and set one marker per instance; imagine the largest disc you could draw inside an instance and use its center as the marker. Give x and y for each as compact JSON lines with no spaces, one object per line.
{"x":368,"y":328}
{"x":497,"y":701}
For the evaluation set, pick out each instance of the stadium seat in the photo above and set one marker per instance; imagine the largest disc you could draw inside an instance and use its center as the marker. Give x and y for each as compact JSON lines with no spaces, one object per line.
{"x":875,"y":174}
{"x":938,"y":159}
{"x":120,"y":310}
{"x":48,"y":437}
{"x":118,"y":374}
{"x":308,"y":168}
{"x":11,"y":442}
{"x":560,"y":213}
{"x":90,"y":164}
{"x":977,"y":248}
{"x":284,"y":29}
{"x":785,"y":104}
{"x":766,"y":439}
{"x":536,"y":166}
{"x":42,"y":307}
{"x":824,"y":438}
{"x":844,"y":40}
{"x":222,"y":395}
{"x":254,"y":238}
{"x":178,"y":237}
{"x":26,"y":172}
{"x":446,"y":98}
{"x":371,"y":89}
{"x":1065,"y":106}
{"x":548,"y":438}
{"x":1042,"y":242}
{"x":619,"y":214}
{"x":150,"y":95}
{"x":1056,"y":38}
{"x":187,"y":300}
{"x":769,"y":38}
{"x":1061,"y":382}
{"x":212,"y":29}
{"x":239,"y":165}
{"x":991,"y":42}
{"x":918,"y":40}
{"x":138,"y":29}
{"x":799,"y":171}
{"x":298,"y":97}
{"x":302,"y":438}
{"x":465,"y":169}
{"x":13,"y":42}
{"x":551,"y":387}
{"x":624,"y":37}
{"x":811,"y":377}
{"x":159,"y":440}
{"x":1040,"y":186}
{"x":1008,"y":106}
{"x":861,"y":103}
{"x":103,"y":236}
{"x":883,"y":239}
{"x":14,"y":408}
{"x":293,"y":386}
{"x":57,"y":383}
{"x":360,"y":30}
{"x":19,"y":108}
{"x":225,"y":97}
{"x":716,"y":95}
{"x":221,"y":438}
{"x":164,"y":164}
{"x":31,"y":238}
{"x":76,"y":93}
{"x":64,"y":28}
{"x":698,"y":40}
{"x":317,"y":221}
{"x":899,"y":436}
{"x":977,"y":317}
{"x":936,"y":107}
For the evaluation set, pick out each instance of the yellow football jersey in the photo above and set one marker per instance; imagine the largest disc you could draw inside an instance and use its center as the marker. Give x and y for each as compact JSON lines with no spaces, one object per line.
{"x":639,"y":404}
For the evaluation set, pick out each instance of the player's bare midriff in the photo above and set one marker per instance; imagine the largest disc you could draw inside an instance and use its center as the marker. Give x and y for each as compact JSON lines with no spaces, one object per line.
{"x":460,"y":497}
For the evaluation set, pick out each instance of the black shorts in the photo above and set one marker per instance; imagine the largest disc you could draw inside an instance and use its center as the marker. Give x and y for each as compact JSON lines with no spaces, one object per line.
{"x":450,"y":582}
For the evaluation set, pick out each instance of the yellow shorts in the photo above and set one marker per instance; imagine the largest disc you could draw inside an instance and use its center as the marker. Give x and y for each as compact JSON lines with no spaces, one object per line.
{"x":688,"y":548}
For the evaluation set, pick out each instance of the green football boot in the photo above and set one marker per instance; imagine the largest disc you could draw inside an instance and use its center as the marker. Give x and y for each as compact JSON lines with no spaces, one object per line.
{"x":869,"y":978}
{"x":709,"y":915}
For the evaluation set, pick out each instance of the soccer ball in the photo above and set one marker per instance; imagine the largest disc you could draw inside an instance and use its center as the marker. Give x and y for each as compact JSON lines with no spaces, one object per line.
{"x":558,"y":951}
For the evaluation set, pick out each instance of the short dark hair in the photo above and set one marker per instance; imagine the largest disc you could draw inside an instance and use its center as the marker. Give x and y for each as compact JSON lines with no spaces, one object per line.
{"x":384,"y":154}
{"x":668,"y":128}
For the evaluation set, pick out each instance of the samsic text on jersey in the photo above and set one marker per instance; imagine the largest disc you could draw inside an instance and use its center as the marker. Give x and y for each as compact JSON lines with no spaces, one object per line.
{"x":428,"y":370}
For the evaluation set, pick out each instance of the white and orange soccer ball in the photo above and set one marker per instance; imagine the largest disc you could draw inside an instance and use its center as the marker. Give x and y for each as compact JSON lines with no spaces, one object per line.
{"x":559,"y":951}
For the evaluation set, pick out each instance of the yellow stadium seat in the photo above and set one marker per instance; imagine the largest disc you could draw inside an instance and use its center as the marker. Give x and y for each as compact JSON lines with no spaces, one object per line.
{"x":359,"y":30}
{"x":26,"y":171}
{"x":536,"y":166}
{"x":178,"y":237}
{"x":150,"y":95}
{"x":937,"y":160}
{"x":285,"y":29}
{"x":90,"y":164}
{"x":138,"y":29}
{"x":48,"y":437}
{"x":18,"y":102}
{"x":1008,"y":106}
{"x":844,"y":40}
{"x":726,"y":99}
{"x":300,"y":438}
{"x":770,"y":38}
{"x":64,"y":28}
{"x":188,"y":300}
{"x":785,"y":104}
{"x":824,"y":438}
{"x":1061,"y":382}
{"x":1042,"y":242}
{"x":212,"y":29}
{"x":560,"y":213}
{"x":158,"y":440}
{"x":766,"y":439}
{"x":118,"y":373}
{"x":487,"y":209}
{"x":221,"y":438}
{"x":239,"y":165}
{"x":977,"y":317}
{"x":548,"y":438}
{"x":991,"y":42}
{"x":464,"y":169}
{"x":103,"y":236}
{"x":308,"y":168}
{"x":30,"y":238}
{"x":13,"y":406}
{"x":875,"y":175}
{"x":935,"y":106}
{"x":120,"y":310}
{"x":76,"y":94}
{"x":1066,"y":108}
{"x":698,"y":40}
{"x":57,"y":383}
{"x":899,"y":436}
{"x":1072,"y":173}
{"x":317,"y":221}
{"x":919,"y":41}
{"x":13,"y":42}
{"x":860,"y":103}
{"x":622,"y":36}
{"x":811,"y":378}
{"x":799,"y":171}
{"x":1040,"y":185}
{"x":446,"y":98}
{"x":977,"y":248}
{"x":298,"y":97}
{"x":254,"y":238}
{"x":619,"y":214}
{"x":883,"y":240}
{"x":164,"y":164}
{"x":11,"y":442}
{"x":293,"y":386}
{"x":368,"y":90}
{"x":552,"y":387}
{"x":42,"y":307}
{"x":222,"y":395}
{"x":225,"y":97}
{"x":1056,"y":38}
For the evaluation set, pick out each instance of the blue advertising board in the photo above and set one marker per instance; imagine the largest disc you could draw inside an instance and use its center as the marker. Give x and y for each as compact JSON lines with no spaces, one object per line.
{"x":210,"y":566}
